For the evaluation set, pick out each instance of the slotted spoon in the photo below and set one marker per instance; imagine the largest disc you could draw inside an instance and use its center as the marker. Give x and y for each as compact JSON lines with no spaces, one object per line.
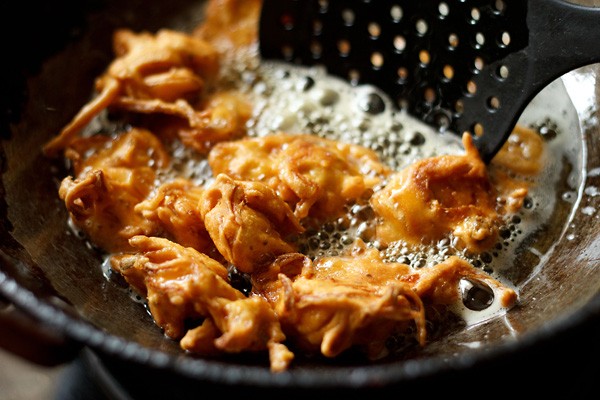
{"x":463,"y":65}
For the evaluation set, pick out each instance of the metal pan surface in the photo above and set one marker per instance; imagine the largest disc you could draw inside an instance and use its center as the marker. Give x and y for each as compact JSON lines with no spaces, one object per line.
{"x":53,"y":278}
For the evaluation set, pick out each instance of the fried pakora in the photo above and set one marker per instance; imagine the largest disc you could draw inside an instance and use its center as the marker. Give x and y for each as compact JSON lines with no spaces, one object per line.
{"x":438,"y":196}
{"x":109,"y":184}
{"x":247,"y":221}
{"x":315,"y":176}
{"x":180,"y":244}
{"x":183,"y":284}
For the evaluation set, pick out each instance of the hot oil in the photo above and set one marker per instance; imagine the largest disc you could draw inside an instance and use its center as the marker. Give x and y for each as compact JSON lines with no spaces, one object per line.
{"x":297,"y":99}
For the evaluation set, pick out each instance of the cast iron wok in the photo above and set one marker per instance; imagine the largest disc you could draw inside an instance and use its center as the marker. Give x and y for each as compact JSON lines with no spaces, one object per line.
{"x":64,"y":305}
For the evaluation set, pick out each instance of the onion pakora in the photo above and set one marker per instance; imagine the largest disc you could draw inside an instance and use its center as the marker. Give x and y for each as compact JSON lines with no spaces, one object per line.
{"x":179,"y":242}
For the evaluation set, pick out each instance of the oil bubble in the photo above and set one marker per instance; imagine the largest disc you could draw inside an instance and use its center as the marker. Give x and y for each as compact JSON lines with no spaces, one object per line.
{"x":476,"y":296}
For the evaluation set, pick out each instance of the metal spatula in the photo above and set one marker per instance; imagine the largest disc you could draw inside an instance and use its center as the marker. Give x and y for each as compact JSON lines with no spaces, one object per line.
{"x":463,"y":65}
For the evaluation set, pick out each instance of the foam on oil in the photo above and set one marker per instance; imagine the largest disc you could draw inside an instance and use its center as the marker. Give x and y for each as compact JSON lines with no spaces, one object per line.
{"x":297,"y":99}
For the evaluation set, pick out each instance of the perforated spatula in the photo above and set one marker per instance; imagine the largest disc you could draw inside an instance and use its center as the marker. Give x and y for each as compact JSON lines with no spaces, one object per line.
{"x":463,"y":65}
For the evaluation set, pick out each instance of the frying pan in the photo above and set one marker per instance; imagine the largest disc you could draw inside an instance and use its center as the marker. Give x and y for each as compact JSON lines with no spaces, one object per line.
{"x":58,"y":304}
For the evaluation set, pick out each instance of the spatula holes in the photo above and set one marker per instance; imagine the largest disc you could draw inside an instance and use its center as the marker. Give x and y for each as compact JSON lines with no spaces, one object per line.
{"x":421,"y":27}
{"x":348,"y":17}
{"x":377,"y":60}
{"x":443,"y":9}
{"x":403,"y":103}
{"x":344,"y":47}
{"x":478,"y":65}
{"x":323,"y":5}
{"x":429,"y":95}
{"x":452,"y":41}
{"x":479,"y":40}
{"x":402,"y":74}
{"x":287,"y":22}
{"x":442,"y":120}
{"x":475,"y":16}
{"x":448,"y":73}
{"x":459,"y":107}
{"x":396,"y":13}
{"x":287,"y":51}
{"x":504,"y":39}
{"x":317,"y":27}
{"x":502,"y":72}
{"x":424,"y":58}
{"x":471,"y":88}
{"x":478,"y":129}
{"x":399,"y":43}
{"x":499,"y":6}
{"x":493,"y":103}
{"x":354,"y":76}
{"x":374,"y":30}
{"x":316,"y":49}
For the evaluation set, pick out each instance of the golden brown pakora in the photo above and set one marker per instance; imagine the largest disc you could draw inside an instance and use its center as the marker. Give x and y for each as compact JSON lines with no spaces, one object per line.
{"x":316,"y":176}
{"x":358,"y":300}
{"x":178,"y":243}
{"x":173,"y":207}
{"x":247,"y":221}
{"x":109,"y":184}
{"x":169,"y":74}
{"x":182,"y":284}
{"x":438,"y":196}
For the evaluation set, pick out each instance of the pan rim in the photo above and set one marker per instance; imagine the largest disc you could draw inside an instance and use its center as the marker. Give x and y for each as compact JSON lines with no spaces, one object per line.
{"x":79,"y":330}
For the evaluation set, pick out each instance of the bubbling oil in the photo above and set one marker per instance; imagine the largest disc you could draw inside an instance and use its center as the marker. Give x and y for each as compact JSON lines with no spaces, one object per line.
{"x":297,"y":99}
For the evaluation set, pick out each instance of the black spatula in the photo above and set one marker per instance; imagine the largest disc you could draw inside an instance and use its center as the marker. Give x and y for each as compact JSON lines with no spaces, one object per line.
{"x":463,"y":65}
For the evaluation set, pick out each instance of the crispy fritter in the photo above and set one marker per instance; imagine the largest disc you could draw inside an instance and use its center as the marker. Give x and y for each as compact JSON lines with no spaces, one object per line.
{"x":177,"y":243}
{"x":174,"y":207}
{"x":167,"y":74}
{"x":247,"y":222}
{"x":334,"y":303}
{"x":438,"y":196}
{"x":108,"y":185}
{"x":316,"y":176}
{"x":182,"y":284}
